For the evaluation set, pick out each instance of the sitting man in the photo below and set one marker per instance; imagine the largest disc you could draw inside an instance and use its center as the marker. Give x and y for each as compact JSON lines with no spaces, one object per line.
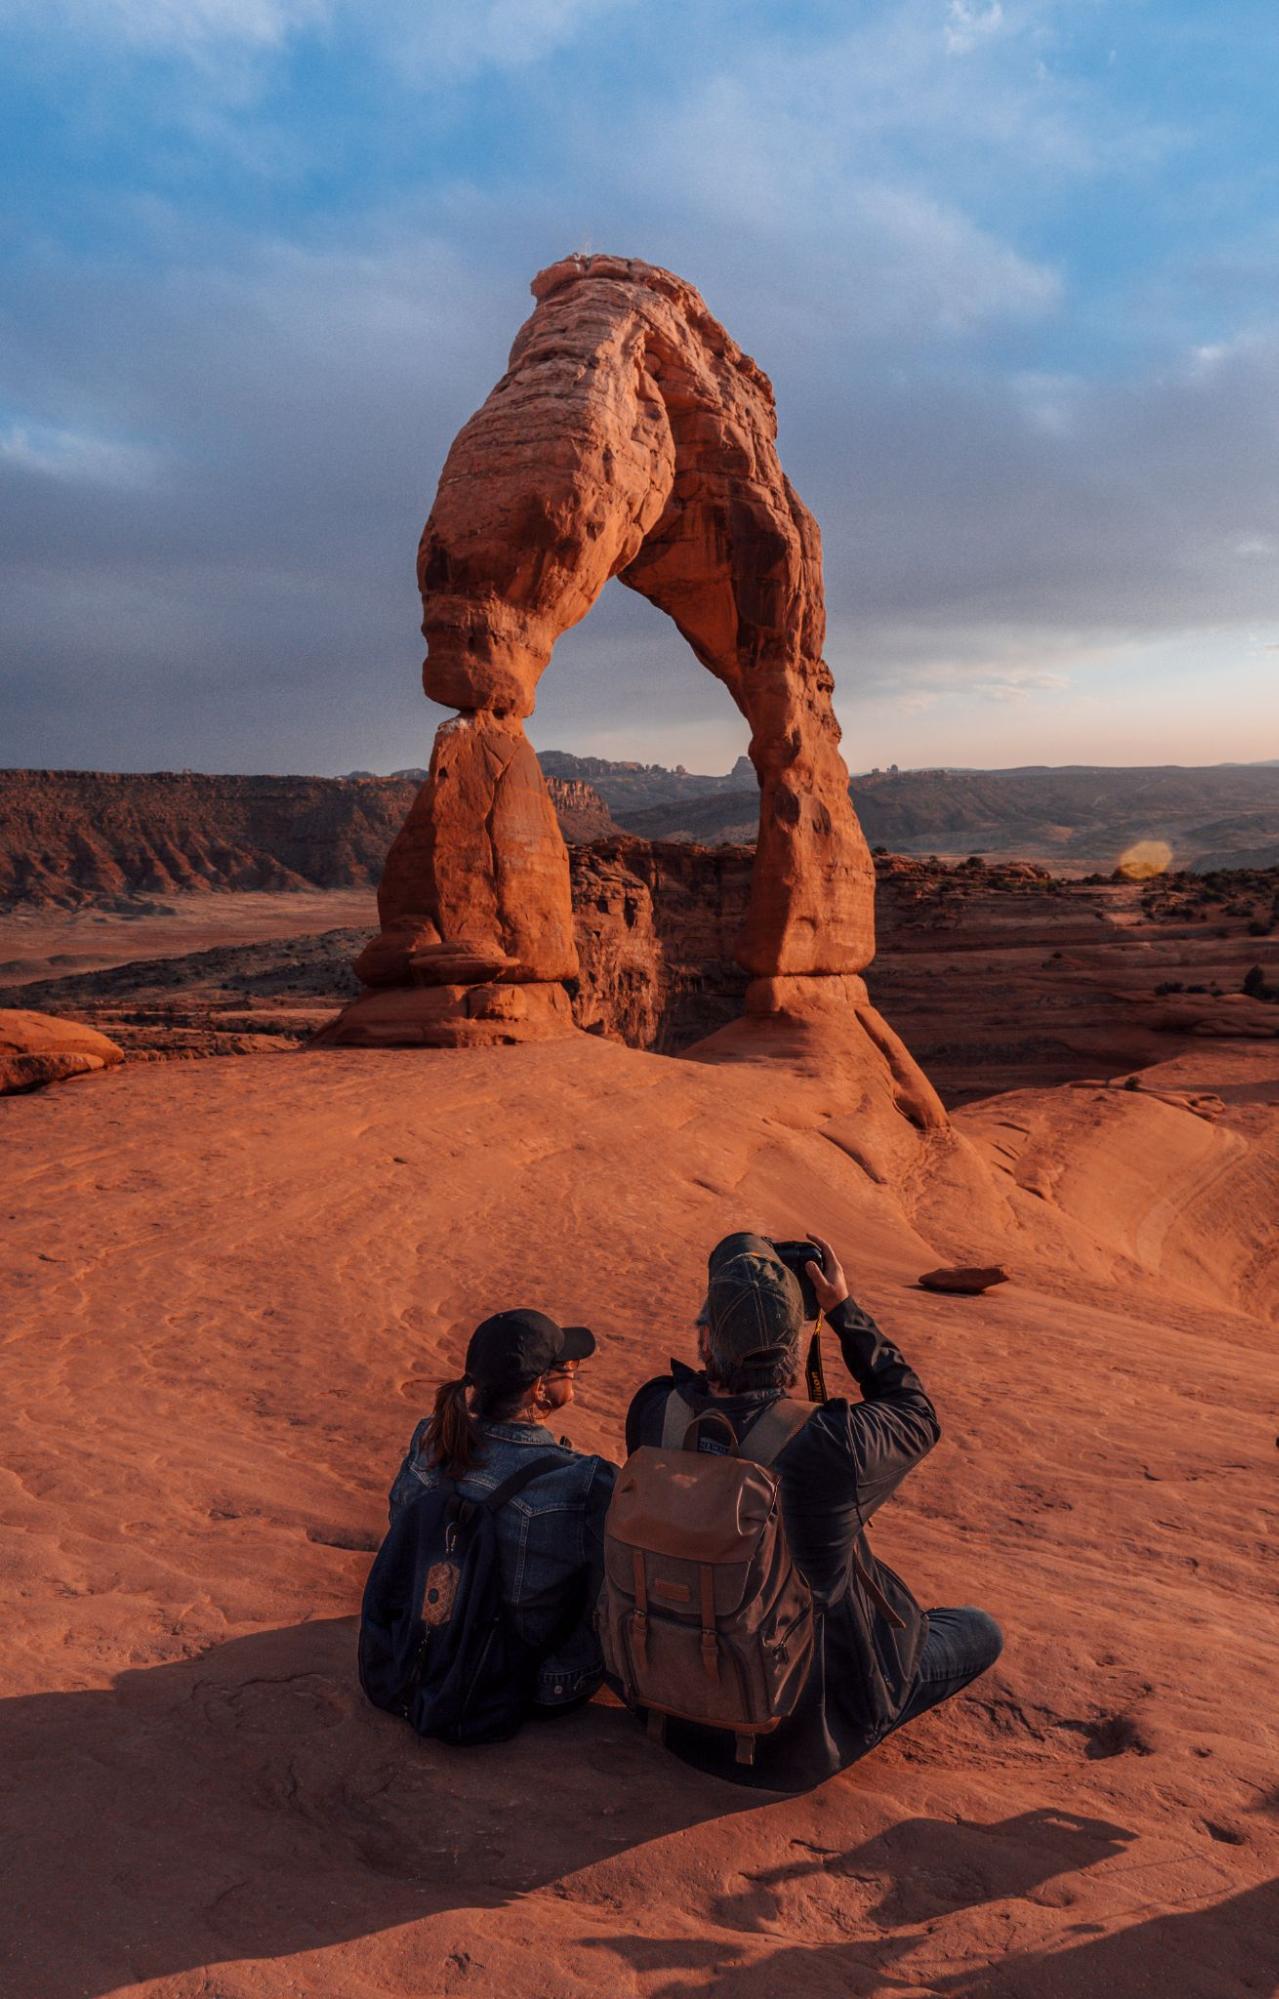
{"x":879,"y":1659}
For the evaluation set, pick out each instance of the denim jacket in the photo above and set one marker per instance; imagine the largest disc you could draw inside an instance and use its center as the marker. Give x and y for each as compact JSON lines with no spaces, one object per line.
{"x":550,"y":1544}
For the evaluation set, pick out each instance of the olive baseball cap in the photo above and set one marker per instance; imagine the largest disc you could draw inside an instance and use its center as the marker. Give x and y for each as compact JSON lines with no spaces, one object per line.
{"x":513,"y":1348}
{"x":754,"y":1306}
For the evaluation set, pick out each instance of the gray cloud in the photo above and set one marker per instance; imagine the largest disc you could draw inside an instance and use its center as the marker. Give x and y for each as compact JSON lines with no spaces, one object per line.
{"x":217,"y":451}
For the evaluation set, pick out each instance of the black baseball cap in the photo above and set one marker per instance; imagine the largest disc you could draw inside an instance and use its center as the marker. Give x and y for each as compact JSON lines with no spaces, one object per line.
{"x":513,"y":1348}
{"x":754,"y":1306}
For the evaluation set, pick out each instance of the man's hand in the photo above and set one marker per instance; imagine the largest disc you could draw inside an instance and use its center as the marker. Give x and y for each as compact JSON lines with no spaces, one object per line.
{"x":828,"y":1279}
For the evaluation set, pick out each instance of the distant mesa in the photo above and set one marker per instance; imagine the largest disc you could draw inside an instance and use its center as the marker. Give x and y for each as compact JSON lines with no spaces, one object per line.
{"x":1077,"y":820}
{"x":69,"y":838}
{"x":413,"y":775}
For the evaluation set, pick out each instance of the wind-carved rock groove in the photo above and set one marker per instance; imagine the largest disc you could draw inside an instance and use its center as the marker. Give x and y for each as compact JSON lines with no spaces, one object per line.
{"x":629,"y":437}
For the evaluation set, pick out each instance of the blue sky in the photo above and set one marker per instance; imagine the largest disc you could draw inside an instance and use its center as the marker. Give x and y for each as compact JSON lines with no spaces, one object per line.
{"x":1013,"y":268}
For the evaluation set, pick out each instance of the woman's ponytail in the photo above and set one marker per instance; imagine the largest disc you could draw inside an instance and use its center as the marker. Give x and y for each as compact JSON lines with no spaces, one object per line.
{"x":452,"y":1435}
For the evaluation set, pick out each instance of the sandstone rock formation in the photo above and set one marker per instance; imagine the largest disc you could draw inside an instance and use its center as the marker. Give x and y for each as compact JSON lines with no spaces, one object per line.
{"x":68,"y":838}
{"x":37,"y":1048}
{"x":629,"y":437}
{"x":582,"y":813}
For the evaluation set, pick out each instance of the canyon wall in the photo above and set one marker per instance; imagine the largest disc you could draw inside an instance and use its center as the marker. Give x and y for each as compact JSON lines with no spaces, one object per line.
{"x":69,"y":837}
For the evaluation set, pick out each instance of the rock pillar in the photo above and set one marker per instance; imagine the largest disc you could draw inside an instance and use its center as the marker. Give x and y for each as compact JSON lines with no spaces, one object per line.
{"x":477,"y":921}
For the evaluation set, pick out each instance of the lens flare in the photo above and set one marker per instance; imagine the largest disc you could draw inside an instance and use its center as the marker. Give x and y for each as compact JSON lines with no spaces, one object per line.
{"x":1145,"y":859}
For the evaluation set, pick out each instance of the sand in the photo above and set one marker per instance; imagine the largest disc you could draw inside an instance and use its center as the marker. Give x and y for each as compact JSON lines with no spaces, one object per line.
{"x":230,"y":1286}
{"x":38,"y":943}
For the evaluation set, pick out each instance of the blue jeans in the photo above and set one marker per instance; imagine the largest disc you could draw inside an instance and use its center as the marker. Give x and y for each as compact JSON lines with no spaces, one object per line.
{"x":961,"y":1644}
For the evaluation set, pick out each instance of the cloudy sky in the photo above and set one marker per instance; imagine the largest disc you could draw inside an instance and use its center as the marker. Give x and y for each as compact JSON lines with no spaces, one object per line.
{"x":1013,"y":267}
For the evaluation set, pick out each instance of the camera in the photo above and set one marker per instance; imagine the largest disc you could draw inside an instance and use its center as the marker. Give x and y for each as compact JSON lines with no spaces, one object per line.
{"x":795,"y":1255}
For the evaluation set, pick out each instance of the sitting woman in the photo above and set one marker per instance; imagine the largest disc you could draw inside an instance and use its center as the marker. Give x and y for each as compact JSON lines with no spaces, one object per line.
{"x":488,"y":1425}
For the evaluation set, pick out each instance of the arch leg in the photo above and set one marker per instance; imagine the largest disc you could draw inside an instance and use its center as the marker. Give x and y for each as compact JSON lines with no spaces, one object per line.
{"x":812,"y":906}
{"x":475,"y":904}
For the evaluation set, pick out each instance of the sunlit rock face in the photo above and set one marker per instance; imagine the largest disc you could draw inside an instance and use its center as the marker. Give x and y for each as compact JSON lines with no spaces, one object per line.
{"x":39,"y":1048}
{"x":629,"y":437}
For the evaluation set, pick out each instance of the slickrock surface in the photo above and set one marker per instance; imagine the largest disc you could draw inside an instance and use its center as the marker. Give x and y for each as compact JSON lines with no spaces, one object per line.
{"x":631,"y":437}
{"x":230,"y":1287}
{"x":36,"y":1048}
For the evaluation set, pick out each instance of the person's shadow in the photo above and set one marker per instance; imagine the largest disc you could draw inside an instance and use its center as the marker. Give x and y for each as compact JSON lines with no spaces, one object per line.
{"x":1221,"y":1951}
{"x":923,"y":1868}
{"x":886,"y":1894}
{"x":249,"y":1803}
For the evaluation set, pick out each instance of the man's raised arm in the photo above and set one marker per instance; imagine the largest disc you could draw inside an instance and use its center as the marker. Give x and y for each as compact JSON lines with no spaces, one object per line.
{"x":895,"y":1425}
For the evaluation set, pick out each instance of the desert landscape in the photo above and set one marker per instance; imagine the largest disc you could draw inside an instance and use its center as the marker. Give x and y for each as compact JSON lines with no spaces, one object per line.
{"x":998,"y":972}
{"x":231,"y":1284}
{"x":552,"y":1062}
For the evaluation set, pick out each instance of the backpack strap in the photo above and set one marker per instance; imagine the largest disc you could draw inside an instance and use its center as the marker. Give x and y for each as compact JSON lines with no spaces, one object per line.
{"x":770,"y":1433}
{"x":516,"y":1483}
{"x":676,"y":1418}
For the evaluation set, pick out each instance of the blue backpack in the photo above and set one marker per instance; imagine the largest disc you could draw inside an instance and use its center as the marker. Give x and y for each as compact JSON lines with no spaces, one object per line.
{"x":437,"y":1642}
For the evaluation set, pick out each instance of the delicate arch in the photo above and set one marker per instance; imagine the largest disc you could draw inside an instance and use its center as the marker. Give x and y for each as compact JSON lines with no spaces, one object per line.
{"x":629,"y":437}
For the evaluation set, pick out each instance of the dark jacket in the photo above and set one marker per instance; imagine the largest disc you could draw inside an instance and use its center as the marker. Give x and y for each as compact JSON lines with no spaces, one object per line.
{"x":550,"y":1540}
{"x":845,"y":1462}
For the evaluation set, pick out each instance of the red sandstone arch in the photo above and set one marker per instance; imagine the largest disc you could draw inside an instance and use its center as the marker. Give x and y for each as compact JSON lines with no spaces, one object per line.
{"x":629,"y":437}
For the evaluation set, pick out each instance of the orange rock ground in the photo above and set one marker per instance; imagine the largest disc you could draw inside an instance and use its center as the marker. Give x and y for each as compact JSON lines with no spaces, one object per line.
{"x":230,"y":1286}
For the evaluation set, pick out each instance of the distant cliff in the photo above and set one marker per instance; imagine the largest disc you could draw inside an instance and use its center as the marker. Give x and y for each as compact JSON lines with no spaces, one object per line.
{"x":1077,"y":816}
{"x":70,"y":837}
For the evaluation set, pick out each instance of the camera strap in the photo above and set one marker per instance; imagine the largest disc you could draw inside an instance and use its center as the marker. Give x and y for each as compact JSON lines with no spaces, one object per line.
{"x":814,"y":1373}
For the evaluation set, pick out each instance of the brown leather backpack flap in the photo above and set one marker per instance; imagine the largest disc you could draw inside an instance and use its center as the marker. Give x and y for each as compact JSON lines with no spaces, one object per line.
{"x":692,"y":1505}
{"x":678,"y":1586}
